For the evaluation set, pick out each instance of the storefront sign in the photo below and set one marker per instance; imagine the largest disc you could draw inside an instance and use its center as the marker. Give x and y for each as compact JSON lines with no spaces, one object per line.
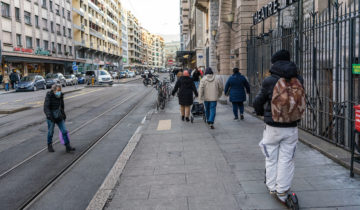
{"x":25,"y":50}
{"x":270,"y":9}
{"x":40,"y":51}
{"x":356,"y":68}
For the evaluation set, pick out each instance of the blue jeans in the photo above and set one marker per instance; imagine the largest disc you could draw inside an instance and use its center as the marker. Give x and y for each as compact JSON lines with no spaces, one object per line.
{"x":210,"y":111}
{"x":6,"y":86}
{"x":62,"y":128}
{"x":197,"y":84}
{"x":236,"y":107}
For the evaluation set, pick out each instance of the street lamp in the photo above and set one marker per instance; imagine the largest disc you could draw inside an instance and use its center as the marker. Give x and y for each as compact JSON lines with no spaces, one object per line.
{"x":229,"y":20}
{"x":213,"y":33}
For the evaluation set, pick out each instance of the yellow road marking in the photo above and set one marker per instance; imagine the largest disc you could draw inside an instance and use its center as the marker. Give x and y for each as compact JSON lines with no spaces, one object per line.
{"x":164,"y":125}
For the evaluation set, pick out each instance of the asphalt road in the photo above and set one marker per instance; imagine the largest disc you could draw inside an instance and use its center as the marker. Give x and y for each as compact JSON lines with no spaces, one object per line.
{"x":91,"y":113}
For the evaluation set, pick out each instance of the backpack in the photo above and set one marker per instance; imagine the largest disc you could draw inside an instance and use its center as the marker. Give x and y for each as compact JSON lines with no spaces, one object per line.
{"x":288,"y":101}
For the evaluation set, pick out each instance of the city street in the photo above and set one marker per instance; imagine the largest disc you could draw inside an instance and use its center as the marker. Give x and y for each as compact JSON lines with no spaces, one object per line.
{"x":26,"y":168}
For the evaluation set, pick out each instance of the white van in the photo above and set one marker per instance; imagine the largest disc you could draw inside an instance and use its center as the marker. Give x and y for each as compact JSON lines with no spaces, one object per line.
{"x":101,"y":77}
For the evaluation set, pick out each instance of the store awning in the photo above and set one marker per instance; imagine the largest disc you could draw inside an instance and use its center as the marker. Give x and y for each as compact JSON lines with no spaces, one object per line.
{"x":14,"y":57}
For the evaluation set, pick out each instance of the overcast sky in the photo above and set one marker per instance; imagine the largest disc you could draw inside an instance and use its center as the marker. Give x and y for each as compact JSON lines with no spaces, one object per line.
{"x":157,"y":16}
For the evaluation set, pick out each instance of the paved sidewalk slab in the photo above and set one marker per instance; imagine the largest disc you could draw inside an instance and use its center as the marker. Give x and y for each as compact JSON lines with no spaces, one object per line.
{"x":189,"y":166}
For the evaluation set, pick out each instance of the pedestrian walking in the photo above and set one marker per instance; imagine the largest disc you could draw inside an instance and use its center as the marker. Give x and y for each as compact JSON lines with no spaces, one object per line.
{"x":186,"y":88}
{"x":6,"y":81}
{"x":55,"y":113}
{"x":196,"y":77}
{"x":235,"y":89}
{"x":210,"y":90}
{"x":14,"y":78}
{"x":283,"y":96}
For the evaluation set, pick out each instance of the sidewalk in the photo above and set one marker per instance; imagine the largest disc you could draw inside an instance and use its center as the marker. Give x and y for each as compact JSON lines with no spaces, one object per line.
{"x":178,"y":165}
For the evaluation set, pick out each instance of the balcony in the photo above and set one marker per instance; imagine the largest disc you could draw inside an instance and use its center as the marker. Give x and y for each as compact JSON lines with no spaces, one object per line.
{"x":112,"y":41}
{"x":78,"y":11}
{"x":81,"y":28}
{"x":111,"y":20}
{"x":77,"y":43}
{"x":96,"y":8}
{"x":96,"y":34}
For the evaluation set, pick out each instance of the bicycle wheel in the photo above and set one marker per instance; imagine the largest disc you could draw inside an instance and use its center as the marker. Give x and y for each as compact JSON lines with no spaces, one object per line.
{"x":162,"y":105}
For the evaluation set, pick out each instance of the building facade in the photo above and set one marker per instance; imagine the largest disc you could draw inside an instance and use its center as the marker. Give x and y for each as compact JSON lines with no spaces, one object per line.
{"x":36,"y":36}
{"x":134,"y":41}
{"x":98,"y":30}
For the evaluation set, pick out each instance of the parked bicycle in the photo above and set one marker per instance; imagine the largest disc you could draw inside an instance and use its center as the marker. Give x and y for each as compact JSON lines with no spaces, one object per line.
{"x":164,"y":92}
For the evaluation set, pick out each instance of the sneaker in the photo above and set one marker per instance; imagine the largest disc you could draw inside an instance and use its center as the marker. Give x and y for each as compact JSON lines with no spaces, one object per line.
{"x":183,"y":118}
{"x":212,"y":126}
{"x":236,"y":119}
{"x":69,"y":148}
{"x":187,"y":119}
{"x":242,"y":117}
{"x":282,"y":196}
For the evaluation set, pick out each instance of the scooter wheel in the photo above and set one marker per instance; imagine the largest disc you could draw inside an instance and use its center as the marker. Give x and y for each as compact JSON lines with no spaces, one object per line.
{"x":292,"y":202}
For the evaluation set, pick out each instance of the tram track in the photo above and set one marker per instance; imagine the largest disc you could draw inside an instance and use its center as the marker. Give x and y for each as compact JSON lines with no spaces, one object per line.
{"x":27,"y":204}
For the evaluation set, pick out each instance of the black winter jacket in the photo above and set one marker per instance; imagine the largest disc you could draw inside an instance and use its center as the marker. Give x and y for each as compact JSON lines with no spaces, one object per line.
{"x":186,"y":87}
{"x":280,"y":69}
{"x":52,"y":103}
{"x":196,"y":76}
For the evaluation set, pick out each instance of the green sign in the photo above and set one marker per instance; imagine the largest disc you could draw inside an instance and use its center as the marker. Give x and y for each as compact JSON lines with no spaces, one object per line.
{"x":40,"y":51}
{"x":124,"y":60}
{"x":356,"y":68}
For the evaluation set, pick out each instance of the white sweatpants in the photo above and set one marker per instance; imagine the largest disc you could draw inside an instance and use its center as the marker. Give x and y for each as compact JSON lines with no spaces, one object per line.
{"x":278,"y":146}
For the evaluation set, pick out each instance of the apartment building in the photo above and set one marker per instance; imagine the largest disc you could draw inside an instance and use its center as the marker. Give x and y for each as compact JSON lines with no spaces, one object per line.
{"x":147,"y":48}
{"x":36,"y":36}
{"x":134,"y":41}
{"x":97,"y":28}
{"x":124,"y":38}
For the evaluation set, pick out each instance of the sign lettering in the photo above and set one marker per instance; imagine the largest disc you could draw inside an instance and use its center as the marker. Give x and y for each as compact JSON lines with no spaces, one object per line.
{"x":270,"y":9}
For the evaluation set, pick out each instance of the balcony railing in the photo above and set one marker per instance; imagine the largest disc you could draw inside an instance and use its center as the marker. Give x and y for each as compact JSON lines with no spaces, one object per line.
{"x":96,"y":8}
{"x":78,"y":11}
{"x":112,"y":41}
{"x":97,"y":34}
{"x":77,"y":43}
{"x":78,"y":27}
{"x":111,"y":20}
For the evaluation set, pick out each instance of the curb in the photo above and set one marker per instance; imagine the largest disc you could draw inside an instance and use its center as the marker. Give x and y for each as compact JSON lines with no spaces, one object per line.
{"x":334,"y":157}
{"x":75,"y":90}
{"x":104,"y":192}
{"x":12,"y":111}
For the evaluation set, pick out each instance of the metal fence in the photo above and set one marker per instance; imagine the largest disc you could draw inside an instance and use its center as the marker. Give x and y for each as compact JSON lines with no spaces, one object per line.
{"x":324,"y":46}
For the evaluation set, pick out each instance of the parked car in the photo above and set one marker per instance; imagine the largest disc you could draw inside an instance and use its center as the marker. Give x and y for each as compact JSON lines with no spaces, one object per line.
{"x":80,"y":78}
{"x":71,"y":79}
{"x":33,"y":82}
{"x":101,"y":77}
{"x":115,"y":74}
{"x":56,"y":78}
{"x":122,"y":74}
{"x":131,"y":74}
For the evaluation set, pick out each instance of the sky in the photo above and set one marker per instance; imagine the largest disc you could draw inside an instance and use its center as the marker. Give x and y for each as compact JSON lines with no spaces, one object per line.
{"x":157,"y":16}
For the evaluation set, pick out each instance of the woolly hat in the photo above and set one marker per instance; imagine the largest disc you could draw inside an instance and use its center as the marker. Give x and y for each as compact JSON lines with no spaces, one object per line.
{"x":281,"y":55}
{"x":209,"y":71}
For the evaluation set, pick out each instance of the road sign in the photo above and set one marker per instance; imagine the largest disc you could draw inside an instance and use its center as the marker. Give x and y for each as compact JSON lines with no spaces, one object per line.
{"x":74,"y":63}
{"x":75,"y":68}
{"x":356,"y":68}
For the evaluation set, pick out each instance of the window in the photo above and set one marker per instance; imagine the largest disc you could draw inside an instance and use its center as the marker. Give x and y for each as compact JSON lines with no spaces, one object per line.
{"x":64,"y":31}
{"x":44,"y":3}
{"x":59,"y":48}
{"x":58,"y":29}
{"x":70,"y":50}
{"x":27,"y":18}
{"x":17,"y":14}
{"x":69,"y":32}
{"x":18,"y":40}
{"x":5,"y":9}
{"x":63,"y":12}
{"x":37,"y":21}
{"x":65,"y":49}
{"x":53,"y":46}
{"x":29,"y":42}
{"x":46,"y":45}
{"x":57,"y":9}
{"x":38,"y":43}
{"x":45,"y":24}
{"x":52,"y":26}
{"x":51,"y":5}
{"x":68,"y":15}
